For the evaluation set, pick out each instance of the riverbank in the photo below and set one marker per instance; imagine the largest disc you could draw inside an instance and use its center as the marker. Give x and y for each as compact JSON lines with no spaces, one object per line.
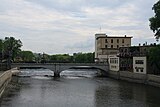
{"x":148,"y":79}
{"x":5,"y":78}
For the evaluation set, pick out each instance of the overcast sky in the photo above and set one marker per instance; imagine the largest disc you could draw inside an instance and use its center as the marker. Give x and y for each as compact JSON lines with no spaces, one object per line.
{"x":69,"y":26}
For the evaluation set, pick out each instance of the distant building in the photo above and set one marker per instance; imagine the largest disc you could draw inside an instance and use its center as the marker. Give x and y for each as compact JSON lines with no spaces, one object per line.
{"x":109,"y":45}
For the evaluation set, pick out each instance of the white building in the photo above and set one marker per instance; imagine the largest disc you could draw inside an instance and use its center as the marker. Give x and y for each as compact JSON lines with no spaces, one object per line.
{"x":140,"y":65}
{"x":109,"y":45}
{"x":113,"y":62}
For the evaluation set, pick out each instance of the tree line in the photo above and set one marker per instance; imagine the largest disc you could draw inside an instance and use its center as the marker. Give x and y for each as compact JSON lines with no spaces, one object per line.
{"x":30,"y":57}
{"x":10,"y":50}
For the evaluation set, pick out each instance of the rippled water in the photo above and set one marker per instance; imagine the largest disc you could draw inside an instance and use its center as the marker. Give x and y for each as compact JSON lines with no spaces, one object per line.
{"x":36,"y":88}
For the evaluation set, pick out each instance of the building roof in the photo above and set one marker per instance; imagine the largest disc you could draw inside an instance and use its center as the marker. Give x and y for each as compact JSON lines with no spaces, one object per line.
{"x":113,"y":36}
{"x":152,"y":45}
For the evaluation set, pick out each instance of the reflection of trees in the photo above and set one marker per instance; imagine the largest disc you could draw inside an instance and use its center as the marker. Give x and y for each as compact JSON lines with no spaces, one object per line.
{"x":152,"y":96}
{"x":125,"y":94}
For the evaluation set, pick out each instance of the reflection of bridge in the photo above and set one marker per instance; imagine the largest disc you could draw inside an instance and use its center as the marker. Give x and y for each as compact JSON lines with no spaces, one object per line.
{"x":59,"y":67}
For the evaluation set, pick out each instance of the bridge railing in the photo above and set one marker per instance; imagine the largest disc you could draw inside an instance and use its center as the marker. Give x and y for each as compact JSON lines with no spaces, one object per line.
{"x":60,"y":63}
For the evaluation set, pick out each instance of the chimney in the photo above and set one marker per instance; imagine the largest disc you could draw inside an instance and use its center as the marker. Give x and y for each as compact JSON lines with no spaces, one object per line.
{"x":146,"y":43}
{"x":139,"y":44}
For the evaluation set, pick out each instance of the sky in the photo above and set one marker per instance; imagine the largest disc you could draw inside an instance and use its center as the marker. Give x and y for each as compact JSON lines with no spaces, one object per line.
{"x":69,"y":26}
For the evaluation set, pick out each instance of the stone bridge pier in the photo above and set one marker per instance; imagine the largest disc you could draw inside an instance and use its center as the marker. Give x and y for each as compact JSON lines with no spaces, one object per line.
{"x":57,"y":68}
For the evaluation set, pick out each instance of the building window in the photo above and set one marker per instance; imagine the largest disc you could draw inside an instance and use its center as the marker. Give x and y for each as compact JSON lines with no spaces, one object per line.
{"x":113,"y":66}
{"x":111,"y":40}
{"x":122,"y":40}
{"x":106,"y":46}
{"x":141,"y":70}
{"x":114,"y":60}
{"x":117,"y":40}
{"x":106,"y":41}
{"x":117,"y":46}
{"x":139,"y":62}
{"x":121,"y":50}
{"x":137,"y":70}
{"x":111,"y":46}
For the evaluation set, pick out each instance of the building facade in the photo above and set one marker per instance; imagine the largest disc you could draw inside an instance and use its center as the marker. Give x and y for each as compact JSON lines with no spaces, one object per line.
{"x":113,"y":62}
{"x":129,"y":55}
{"x":109,"y":45}
{"x":140,"y":65}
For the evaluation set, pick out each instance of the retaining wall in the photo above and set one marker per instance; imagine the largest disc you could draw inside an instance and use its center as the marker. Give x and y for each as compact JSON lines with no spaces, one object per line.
{"x":5,"y":78}
{"x":149,"y":79}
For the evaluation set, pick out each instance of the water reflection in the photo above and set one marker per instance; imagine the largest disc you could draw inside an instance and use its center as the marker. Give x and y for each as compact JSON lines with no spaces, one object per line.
{"x":124,"y":94}
{"x":76,"y":89}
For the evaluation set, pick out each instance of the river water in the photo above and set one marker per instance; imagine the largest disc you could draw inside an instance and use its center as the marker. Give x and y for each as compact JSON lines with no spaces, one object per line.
{"x":36,"y":88}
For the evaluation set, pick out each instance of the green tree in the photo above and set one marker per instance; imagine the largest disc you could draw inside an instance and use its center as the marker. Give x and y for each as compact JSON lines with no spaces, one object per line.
{"x":60,"y":58}
{"x":154,"y":59}
{"x":155,"y":20}
{"x":12,"y":46}
{"x":1,"y":45}
{"x":83,"y":57}
{"x":79,"y":58}
{"x":1,"y":48}
{"x":27,"y":56}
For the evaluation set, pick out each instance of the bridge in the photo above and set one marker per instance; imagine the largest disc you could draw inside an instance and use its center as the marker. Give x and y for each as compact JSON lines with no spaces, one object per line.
{"x":57,"y":68}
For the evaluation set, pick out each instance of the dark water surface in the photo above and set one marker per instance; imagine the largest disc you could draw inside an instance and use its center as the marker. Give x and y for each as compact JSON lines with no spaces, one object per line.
{"x":35,"y":88}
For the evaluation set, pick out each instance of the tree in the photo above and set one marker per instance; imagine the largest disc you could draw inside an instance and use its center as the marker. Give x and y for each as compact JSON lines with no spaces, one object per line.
{"x":12,"y":46}
{"x":83,"y":57}
{"x":27,"y":56}
{"x":60,"y":58}
{"x":1,"y":49}
{"x":1,"y":45}
{"x":155,"y":20}
{"x":154,"y":59}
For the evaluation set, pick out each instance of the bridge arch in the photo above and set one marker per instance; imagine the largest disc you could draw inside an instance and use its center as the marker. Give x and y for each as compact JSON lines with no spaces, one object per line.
{"x":100,"y":71}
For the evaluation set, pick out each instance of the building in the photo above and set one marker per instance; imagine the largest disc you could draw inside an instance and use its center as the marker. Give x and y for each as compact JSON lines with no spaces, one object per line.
{"x":129,"y":55}
{"x":109,"y":45}
{"x":140,"y":65}
{"x":126,"y":57}
{"x":113,"y":62}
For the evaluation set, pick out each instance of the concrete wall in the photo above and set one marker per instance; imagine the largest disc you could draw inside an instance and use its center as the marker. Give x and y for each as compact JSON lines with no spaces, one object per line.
{"x":153,"y":80}
{"x":5,"y":78}
{"x":149,"y":79}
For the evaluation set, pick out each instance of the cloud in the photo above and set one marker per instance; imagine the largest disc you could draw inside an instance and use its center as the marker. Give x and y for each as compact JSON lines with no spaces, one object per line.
{"x":68,"y":26}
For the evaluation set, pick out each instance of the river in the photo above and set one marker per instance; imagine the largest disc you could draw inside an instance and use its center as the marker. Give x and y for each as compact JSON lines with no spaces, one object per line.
{"x":36,"y":88}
